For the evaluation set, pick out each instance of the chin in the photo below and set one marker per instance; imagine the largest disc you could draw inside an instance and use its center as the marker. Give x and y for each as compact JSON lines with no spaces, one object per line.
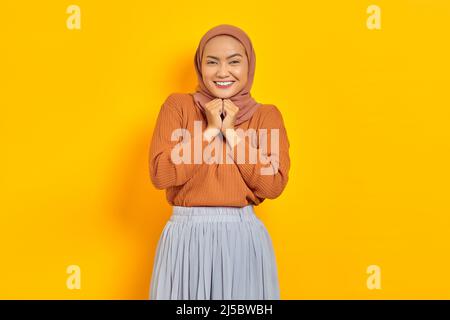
{"x":223,"y":95}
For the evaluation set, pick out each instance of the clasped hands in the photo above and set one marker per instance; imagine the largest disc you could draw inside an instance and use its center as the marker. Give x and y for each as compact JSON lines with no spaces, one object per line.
{"x":214,"y":109}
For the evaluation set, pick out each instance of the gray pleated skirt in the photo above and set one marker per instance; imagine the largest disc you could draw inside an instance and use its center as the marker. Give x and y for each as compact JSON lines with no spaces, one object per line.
{"x":214,"y":253}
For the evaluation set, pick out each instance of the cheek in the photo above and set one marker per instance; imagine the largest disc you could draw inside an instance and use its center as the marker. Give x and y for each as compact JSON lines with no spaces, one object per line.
{"x":208,"y":74}
{"x":242,"y":76}
{"x":241,"y":73}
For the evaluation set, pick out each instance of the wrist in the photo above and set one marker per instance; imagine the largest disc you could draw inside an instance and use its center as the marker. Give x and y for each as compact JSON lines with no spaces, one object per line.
{"x":232,"y":137}
{"x":225,"y":129}
{"x":210,"y":133}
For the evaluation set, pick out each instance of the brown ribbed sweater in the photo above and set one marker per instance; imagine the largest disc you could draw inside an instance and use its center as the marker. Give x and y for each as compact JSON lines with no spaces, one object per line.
{"x":230,"y":183}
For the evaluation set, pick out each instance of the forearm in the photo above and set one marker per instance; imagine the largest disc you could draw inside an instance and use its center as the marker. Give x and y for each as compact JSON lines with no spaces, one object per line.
{"x":168,"y":168}
{"x":268,"y":175}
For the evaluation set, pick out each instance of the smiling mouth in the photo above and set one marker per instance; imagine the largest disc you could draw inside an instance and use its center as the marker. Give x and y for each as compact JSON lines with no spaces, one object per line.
{"x":223,"y":84}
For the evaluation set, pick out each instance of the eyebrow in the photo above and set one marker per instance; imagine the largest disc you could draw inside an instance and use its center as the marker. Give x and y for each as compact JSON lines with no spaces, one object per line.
{"x":233,"y":55}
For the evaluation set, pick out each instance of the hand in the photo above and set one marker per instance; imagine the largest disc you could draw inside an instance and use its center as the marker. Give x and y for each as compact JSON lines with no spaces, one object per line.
{"x":213,"y":110}
{"x":230,"y":111}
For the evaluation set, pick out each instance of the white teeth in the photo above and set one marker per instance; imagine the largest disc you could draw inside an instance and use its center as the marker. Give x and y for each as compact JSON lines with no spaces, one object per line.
{"x":223,"y":83}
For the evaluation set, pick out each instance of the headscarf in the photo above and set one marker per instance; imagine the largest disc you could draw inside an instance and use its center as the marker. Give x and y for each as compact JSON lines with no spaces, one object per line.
{"x":242,"y":99}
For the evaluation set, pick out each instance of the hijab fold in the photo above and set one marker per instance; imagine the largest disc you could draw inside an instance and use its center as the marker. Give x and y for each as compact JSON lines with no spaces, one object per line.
{"x":243,"y":100}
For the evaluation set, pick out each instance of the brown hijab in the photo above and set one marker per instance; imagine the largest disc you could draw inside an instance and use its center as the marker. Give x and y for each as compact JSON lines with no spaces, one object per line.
{"x":247,"y":105}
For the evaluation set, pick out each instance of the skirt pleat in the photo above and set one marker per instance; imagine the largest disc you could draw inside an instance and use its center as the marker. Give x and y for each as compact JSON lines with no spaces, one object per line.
{"x":214,"y":253}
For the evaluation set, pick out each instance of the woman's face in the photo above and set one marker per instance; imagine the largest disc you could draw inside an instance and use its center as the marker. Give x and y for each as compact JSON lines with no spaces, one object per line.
{"x":224,"y":60}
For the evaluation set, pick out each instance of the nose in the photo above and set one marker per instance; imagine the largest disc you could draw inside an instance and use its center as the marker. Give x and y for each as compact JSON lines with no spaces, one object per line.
{"x":223,"y":71}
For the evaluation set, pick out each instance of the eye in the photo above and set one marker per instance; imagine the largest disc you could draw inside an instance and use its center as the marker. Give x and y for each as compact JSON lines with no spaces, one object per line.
{"x":235,"y":61}
{"x":210,"y":62}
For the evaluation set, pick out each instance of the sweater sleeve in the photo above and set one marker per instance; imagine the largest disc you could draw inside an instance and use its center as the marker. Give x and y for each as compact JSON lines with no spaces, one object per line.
{"x":267,"y":177}
{"x":164,"y":172}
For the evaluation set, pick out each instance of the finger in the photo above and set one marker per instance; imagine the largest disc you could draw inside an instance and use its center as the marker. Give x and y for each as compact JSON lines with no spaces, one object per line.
{"x":220,"y":104}
{"x":218,"y":101}
{"x":230,"y":109}
{"x":231,"y":105}
{"x":227,"y":102}
{"x":217,"y":107}
{"x":219,"y":110}
{"x":213,"y":104}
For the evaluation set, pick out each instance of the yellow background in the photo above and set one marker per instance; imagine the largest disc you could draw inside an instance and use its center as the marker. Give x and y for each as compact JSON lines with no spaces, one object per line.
{"x":367,"y":114}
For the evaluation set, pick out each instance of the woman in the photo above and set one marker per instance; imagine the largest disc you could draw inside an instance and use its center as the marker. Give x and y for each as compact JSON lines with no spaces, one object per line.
{"x":214,"y":246}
